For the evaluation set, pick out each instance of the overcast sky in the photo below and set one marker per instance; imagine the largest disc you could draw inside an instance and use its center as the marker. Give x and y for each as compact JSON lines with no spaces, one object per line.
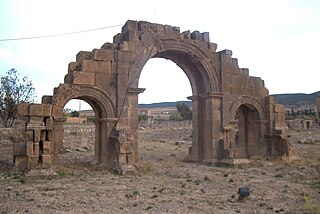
{"x":278,"y":40}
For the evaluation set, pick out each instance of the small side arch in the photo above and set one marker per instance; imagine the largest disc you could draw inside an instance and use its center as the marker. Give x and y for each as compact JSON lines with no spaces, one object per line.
{"x":104,"y":110}
{"x":97,"y":98}
{"x":247,"y":100}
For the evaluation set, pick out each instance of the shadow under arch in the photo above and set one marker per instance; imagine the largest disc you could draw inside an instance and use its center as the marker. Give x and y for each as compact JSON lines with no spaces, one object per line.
{"x":247,"y":119}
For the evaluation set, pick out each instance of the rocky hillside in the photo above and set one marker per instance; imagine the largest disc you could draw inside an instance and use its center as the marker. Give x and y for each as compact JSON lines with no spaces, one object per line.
{"x":285,"y":99}
{"x":297,"y":99}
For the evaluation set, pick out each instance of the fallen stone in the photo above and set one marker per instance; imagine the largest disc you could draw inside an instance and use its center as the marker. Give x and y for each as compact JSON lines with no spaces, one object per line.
{"x":81,"y":150}
{"x":178,"y":143}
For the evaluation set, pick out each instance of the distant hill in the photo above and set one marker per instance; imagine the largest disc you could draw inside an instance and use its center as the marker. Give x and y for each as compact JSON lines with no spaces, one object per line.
{"x":297,"y":99}
{"x":284,"y":99}
{"x":164,"y":104}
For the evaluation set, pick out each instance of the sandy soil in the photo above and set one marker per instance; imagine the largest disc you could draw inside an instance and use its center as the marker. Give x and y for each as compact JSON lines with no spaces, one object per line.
{"x":164,"y":183}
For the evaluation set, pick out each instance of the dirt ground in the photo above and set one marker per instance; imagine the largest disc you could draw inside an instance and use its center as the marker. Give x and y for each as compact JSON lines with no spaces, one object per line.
{"x":164,"y":183}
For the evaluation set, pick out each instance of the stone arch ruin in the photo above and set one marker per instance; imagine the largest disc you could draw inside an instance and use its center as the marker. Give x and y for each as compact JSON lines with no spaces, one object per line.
{"x":233,"y":114}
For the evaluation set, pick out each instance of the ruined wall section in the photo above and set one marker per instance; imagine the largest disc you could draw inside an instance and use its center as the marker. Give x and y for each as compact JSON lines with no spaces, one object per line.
{"x":237,"y":84}
{"x":277,"y":130}
{"x":237,"y":81}
{"x":34,"y":145}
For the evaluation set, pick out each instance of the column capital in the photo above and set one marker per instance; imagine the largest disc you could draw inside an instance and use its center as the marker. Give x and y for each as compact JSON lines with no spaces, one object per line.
{"x":136,"y":90}
{"x":193,"y":98}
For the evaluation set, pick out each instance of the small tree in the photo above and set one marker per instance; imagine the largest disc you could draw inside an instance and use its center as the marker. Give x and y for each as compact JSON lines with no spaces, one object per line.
{"x":13,"y":91}
{"x":184,"y":111}
{"x":143,"y":117}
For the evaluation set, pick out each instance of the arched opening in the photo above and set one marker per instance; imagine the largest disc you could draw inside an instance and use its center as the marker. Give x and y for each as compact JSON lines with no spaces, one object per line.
{"x":308,"y":125}
{"x":248,"y":131}
{"x":104,"y":120}
{"x":79,"y":143}
{"x":165,"y":134}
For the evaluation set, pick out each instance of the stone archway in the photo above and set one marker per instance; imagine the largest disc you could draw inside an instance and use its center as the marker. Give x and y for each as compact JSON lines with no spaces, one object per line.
{"x":248,"y":136}
{"x":108,"y":77}
{"x":192,"y":61}
{"x":104,"y":117}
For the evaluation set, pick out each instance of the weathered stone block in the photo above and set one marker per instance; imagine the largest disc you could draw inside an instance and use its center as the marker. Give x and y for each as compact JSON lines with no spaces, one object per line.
{"x":35,"y":110}
{"x":82,"y":55}
{"x":49,"y":135}
{"x":245,"y":71}
{"x":68,"y":78}
{"x":36,"y":135}
{"x":23,"y":109}
{"x":57,"y":111}
{"x":46,"y":110}
{"x":168,"y":30}
{"x":32,"y":125}
{"x":21,"y":162}
{"x":130,"y":25}
{"x":186,"y":35}
{"x":49,"y":123}
{"x":36,"y":119}
{"x":19,"y":148}
{"x":94,"y":66}
{"x":132,"y":36}
{"x":196,"y":35}
{"x":103,"y":80}
{"x":36,"y":148}
{"x":21,"y":121}
{"x":74,"y":66}
{"x":46,"y":100}
{"x":103,"y":55}
{"x":127,"y":46}
{"x":22,"y":135}
{"x":46,"y":160}
{"x":205,"y":37}
{"x":40,"y":110}
{"x":52,"y":147}
{"x":47,"y":147}
{"x":29,"y":148}
{"x":118,"y":38}
{"x":43,"y":135}
{"x":33,"y":161}
{"x":109,"y":46}
{"x":82,"y":78}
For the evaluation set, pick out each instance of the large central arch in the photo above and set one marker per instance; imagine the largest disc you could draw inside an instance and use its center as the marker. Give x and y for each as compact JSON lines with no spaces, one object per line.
{"x":193,"y":61}
{"x":107,"y":78}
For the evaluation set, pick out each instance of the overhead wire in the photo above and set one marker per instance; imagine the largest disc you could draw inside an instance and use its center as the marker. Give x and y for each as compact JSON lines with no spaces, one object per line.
{"x":59,"y":34}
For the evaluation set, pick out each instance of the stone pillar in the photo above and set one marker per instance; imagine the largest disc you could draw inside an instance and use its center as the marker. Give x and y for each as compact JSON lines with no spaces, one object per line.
{"x":56,"y":136}
{"x":107,"y":156}
{"x":206,"y":128}
{"x":133,"y":116}
{"x":213,"y":147}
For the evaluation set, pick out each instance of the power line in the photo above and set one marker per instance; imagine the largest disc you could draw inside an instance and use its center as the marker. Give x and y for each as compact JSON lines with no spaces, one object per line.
{"x":59,"y":34}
